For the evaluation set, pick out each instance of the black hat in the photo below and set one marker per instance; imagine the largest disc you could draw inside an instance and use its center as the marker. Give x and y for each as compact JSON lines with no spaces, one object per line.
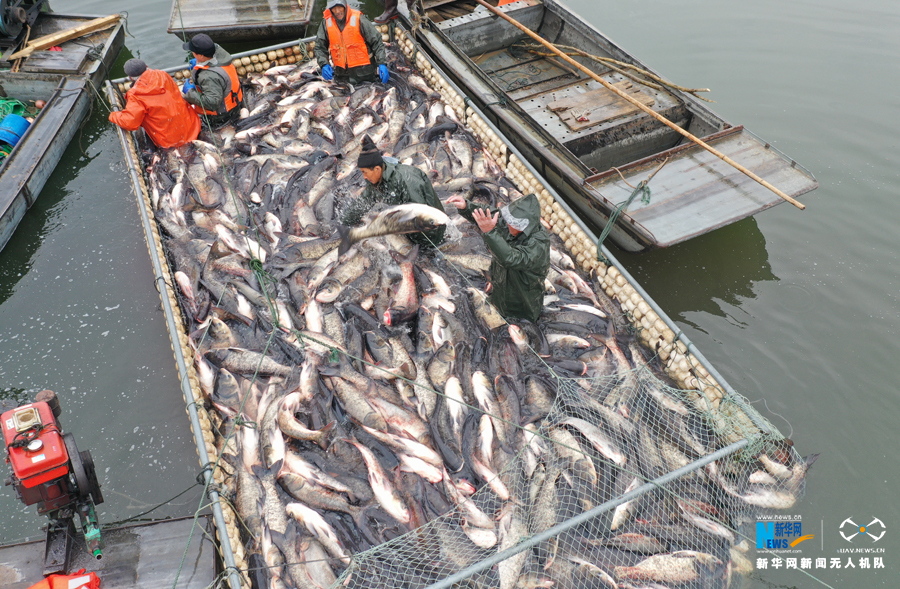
{"x":135,"y":67}
{"x":370,"y":156}
{"x":201,"y":44}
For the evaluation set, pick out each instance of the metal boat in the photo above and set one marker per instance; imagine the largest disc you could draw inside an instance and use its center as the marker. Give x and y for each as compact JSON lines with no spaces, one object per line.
{"x":240,"y":20}
{"x":595,"y":147}
{"x":62,"y":79}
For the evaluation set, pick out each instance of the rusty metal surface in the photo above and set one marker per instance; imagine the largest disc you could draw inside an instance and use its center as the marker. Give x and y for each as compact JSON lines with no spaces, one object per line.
{"x":240,"y":20}
{"x":696,"y":192}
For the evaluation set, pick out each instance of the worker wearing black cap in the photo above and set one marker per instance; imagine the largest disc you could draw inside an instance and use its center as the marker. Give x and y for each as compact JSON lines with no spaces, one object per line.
{"x":353,"y":45}
{"x":392,"y":183}
{"x":214,"y":88}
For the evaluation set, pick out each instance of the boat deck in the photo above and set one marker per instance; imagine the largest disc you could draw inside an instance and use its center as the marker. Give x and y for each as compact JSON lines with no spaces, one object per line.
{"x":441,"y":10}
{"x":240,"y":20}
{"x":570,"y":105}
{"x":580,"y":133}
{"x":146,"y":555}
{"x":89,"y":55}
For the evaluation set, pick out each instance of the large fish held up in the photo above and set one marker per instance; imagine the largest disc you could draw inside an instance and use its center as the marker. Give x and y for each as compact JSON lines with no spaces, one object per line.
{"x":398,"y":219}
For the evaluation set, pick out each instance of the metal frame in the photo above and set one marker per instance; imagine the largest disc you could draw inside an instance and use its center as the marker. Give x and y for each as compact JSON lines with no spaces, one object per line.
{"x":234,"y":580}
{"x":228,"y":557}
{"x":586,"y":516}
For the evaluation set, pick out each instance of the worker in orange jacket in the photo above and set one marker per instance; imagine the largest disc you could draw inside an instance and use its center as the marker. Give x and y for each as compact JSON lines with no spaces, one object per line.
{"x":352,"y":44}
{"x":155,"y":104}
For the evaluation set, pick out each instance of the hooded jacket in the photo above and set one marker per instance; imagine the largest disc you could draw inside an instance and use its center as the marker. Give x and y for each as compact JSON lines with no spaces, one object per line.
{"x":400,"y":184}
{"x":211,"y":87}
{"x":155,"y":103}
{"x":519,"y":264}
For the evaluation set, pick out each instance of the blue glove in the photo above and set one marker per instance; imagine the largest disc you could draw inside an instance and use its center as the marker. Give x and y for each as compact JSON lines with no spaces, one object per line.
{"x":383,"y":74}
{"x":192,"y":62}
{"x":328,"y":72}
{"x":188,"y":86}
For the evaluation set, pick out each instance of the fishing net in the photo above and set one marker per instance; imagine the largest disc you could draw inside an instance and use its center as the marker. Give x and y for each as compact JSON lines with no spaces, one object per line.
{"x":690,"y":531}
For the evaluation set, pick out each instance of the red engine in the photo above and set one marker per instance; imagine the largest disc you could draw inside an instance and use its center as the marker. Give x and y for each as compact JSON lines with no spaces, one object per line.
{"x":50,"y":472}
{"x":37,"y":454}
{"x":47,"y":468}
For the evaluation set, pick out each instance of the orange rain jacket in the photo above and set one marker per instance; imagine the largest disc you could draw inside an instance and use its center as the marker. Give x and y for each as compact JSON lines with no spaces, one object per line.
{"x":155,"y":103}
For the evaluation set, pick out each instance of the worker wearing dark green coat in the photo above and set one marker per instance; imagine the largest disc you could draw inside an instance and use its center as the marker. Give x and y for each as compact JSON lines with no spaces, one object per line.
{"x":521,"y":254}
{"x":392,"y":183}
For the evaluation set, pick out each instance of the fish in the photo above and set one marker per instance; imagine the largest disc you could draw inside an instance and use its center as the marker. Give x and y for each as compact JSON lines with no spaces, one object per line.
{"x":398,"y":219}
{"x":405,"y":302}
{"x":242,"y":361}
{"x":388,"y":394}
{"x":385,"y":493}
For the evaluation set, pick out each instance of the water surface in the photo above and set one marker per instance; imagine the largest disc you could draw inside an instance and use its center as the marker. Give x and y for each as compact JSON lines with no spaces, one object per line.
{"x":797,"y":309}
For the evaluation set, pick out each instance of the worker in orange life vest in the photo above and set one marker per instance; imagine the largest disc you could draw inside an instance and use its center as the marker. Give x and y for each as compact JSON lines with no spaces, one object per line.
{"x":214,"y":88}
{"x":353,"y":45}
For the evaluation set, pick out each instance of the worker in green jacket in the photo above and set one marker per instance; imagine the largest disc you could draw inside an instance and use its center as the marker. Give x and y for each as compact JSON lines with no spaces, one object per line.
{"x":392,"y":183}
{"x":214,"y":89}
{"x":521,"y":254}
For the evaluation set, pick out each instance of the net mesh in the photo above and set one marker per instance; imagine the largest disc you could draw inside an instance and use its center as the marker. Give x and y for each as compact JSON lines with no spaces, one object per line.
{"x":362,"y":456}
{"x":603,"y":437}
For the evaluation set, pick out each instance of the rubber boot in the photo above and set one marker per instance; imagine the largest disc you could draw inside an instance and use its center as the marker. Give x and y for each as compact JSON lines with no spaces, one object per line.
{"x":390,"y":12}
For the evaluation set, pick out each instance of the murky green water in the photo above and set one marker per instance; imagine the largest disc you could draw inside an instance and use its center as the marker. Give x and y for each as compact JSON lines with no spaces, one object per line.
{"x":797,"y":309}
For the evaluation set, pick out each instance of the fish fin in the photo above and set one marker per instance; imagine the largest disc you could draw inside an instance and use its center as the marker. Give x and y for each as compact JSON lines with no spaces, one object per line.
{"x":277,"y":466}
{"x":344,"y":233}
{"x":259,"y":471}
{"x":323,"y":441}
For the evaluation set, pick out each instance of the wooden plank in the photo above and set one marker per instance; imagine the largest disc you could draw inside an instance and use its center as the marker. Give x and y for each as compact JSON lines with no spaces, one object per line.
{"x":61,"y":37}
{"x":55,"y":61}
{"x":696,"y":191}
{"x":597,"y":106}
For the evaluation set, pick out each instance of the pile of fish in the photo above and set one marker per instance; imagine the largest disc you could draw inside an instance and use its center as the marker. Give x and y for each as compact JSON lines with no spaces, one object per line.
{"x":374,"y":392}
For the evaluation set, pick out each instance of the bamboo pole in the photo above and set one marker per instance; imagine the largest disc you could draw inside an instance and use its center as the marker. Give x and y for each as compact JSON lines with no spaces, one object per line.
{"x":66,"y":35}
{"x":641,"y":106}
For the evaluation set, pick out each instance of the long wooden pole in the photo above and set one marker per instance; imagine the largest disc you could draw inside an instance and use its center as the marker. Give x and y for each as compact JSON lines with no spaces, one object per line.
{"x":66,"y":35}
{"x":641,"y":106}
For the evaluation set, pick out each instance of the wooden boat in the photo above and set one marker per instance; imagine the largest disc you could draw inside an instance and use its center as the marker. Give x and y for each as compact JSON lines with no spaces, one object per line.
{"x":25,"y":171}
{"x":90,"y":55}
{"x":240,"y":20}
{"x":61,"y":79}
{"x":595,"y":147}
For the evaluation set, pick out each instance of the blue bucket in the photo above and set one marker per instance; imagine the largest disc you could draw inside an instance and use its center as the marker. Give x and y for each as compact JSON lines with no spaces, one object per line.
{"x":12,"y":127}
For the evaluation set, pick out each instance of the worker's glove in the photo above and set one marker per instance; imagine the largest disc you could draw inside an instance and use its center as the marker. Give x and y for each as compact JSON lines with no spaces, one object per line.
{"x":188,"y":86}
{"x":192,"y":62}
{"x":383,"y":74}
{"x":328,"y":72}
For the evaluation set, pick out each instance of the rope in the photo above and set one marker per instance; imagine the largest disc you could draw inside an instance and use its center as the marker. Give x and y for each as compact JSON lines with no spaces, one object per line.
{"x":617,"y":66}
{"x":154,"y":508}
{"x":642,"y":188}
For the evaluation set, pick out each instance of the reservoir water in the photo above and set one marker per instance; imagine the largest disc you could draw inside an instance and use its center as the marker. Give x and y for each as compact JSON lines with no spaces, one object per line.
{"x":798,"y":310}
